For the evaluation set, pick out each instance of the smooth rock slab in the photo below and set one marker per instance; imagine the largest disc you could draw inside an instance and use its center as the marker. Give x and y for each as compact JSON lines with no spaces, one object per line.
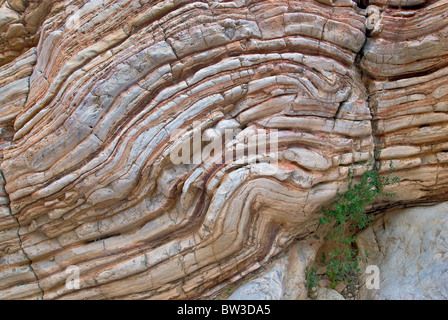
{"x":92,"y":114}
{"x":285,"y":280}
{"x":410,"y":248}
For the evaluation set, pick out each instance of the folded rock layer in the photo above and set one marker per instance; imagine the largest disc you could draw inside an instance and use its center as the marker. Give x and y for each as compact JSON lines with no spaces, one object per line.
{"x":93,"y":113}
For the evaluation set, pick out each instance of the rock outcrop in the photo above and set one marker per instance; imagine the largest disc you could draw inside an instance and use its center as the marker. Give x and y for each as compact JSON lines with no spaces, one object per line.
{"x":405,"y":68}
{"x":409,"y":247}
{"x":21,"y":24}
{"x":99,"y":95}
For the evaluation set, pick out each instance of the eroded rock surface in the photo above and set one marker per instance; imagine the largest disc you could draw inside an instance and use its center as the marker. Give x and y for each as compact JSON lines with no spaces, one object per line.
{"x":21,"y":24}
{"x":95,"y":109}
{"x":324,"y":293}
{"x":410,"y":247}
{"x":285,"y":279}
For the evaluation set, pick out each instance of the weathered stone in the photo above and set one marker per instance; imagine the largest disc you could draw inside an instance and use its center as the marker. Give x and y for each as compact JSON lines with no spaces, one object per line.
{"x":328,"y":294}
{"x":324,"y":283}
{"x":301,"y":257}
{"x":285,"y":280}
{"x":266,"y":287}
{"x":96,"y":97}
{"x":340,"y":287}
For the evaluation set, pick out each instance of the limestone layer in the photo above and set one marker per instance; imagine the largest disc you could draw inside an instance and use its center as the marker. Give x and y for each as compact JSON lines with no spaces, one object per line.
{"x":93,"y":113}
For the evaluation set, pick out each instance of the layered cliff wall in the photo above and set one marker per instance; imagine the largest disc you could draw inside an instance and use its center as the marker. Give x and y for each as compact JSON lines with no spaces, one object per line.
{"x":100,"y":94}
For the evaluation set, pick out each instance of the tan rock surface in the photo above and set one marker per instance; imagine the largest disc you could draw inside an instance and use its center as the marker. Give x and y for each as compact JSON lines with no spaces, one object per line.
{"x":285,"y":279}
{"x":94,"y":111}
{"x":21,"y":24}
{"x":328,"y":294}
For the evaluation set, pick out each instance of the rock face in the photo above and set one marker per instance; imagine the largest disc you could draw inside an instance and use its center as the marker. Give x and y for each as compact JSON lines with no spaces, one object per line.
{"x":267,"y":287}
{"x":405,"y":67}
{"x":97,"y":96}
{"x":285,"y":280}
{"x":21,"y":25}
{"x":410,"y":249}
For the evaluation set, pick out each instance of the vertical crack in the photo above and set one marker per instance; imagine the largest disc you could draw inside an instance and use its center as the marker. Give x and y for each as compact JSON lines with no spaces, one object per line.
{"x":375,"y":139}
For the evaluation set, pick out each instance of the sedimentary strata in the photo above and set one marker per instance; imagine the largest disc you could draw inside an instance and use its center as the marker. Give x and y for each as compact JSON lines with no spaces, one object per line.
{"x":93,"y":111}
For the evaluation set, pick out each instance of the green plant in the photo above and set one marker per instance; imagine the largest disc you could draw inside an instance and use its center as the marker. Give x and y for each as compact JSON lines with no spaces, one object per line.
{"x":323,"y":259}
{"x":347,"y":215}
{"x":311,"y":278}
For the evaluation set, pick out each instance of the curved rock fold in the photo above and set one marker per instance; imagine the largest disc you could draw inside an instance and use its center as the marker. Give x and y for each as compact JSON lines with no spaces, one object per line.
{"x":92,"y":112}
